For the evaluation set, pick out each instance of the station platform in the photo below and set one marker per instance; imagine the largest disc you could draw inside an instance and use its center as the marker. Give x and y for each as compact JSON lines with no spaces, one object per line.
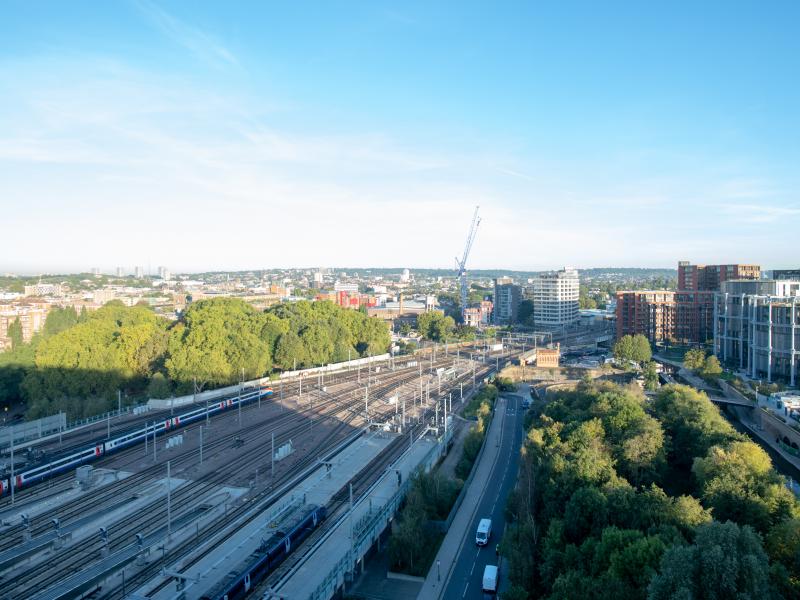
{"x":232,"y":554}
{"x":324,"y":570}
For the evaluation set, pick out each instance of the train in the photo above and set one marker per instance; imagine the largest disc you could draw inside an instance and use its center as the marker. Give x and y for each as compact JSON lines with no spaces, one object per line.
{"x":272,"y":552}
{"x":95,"y":450}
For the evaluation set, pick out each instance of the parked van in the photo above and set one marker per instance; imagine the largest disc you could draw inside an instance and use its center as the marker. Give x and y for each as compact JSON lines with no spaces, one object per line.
{"x":484,"y":532}
{"x":489,"y":585}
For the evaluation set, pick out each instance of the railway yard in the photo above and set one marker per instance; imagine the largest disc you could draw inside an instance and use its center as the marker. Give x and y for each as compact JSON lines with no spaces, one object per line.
{"x":254,"y":499}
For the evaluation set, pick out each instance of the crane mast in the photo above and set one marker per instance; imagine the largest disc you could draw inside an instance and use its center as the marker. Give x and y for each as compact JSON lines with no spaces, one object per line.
{"x":461,"y":265}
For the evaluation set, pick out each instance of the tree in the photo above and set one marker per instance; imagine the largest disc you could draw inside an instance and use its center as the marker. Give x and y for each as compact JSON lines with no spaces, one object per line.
{"x":159,"y":387}
{"x":635,"y":348}
{"x":435,"y":326}
{"x":15,"y":333}
{"x":650,"y":376}
{"x":738,"y":483}
{"x":215,"y":342}
{"x":711,"y":367}
{"x":290,"y":351}
{"x":692,"y":424}
{"x":694,"y":359}
{"x":60,"y":319}
{"x":725,"y":561}
{"x":525,"y":312}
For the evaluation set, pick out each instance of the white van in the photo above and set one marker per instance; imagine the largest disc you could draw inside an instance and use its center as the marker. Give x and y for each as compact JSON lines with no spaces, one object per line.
{"x":484,"y":532}
{"x":489,"y":585}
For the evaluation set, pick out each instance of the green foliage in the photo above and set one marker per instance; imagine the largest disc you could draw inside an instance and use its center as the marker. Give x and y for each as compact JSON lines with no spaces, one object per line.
{"x":505,"y":384}
{"x":60,"y":319}
{"x":525,"y":312}
{"x":635,"y":348}
{"x":80,"y":369}
{"x":159,"y":387}
{"x":725,"y":561}
{"x":435,"y":326}
{"x":692,"y":423}
{"x":694,"y":359}
{"x":711,"y":368}
{"x":14,"y":333}
{"x":593,"y":472}
{"x":739,"y":484}
{"x":81,"y":360}
{"x":650,"y":376}
{"x":413,"y":544}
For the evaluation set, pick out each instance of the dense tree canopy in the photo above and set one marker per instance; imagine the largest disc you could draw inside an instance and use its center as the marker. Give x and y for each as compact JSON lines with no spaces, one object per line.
{"x":435,"y":326}
{"x":633,"y":347}
{"x":616,"y":496}
{"x":80,"y":362}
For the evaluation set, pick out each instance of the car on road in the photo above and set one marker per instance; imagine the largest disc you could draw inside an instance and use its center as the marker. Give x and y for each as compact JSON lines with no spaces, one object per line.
{"x":484,"y":532}
{"x":489,"y":584}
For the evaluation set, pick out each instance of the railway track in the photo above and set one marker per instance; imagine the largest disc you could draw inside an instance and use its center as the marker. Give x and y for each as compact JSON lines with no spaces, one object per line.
{"x":361,"y":481}
{"x":12,"y":535}
{"x":125,"y":530}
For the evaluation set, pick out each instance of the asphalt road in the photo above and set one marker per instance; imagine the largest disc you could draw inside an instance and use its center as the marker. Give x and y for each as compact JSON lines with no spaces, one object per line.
{"x":467,"y":574}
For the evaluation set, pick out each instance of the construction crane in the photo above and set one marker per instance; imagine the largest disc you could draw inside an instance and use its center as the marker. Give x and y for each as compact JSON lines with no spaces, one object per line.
{"x":461,"y":265}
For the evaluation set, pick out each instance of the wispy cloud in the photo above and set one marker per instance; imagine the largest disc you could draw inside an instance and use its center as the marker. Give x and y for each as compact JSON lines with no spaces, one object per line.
{"x":198,"y":42}
{"x":759,"y":213}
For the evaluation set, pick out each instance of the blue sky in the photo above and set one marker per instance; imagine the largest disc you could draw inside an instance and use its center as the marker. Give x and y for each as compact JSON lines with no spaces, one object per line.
{"x":249,"y":135}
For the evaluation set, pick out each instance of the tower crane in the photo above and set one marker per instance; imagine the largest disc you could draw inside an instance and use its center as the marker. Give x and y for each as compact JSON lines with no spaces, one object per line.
{"x":461,"y":265}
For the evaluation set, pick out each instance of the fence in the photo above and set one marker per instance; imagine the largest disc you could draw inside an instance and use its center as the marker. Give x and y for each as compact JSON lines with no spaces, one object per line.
{"x":32,"y":430}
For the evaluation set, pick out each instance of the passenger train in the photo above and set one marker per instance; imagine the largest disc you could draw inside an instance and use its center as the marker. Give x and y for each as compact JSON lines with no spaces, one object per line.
{"x":269,"y":556}
{"x":93,"y":451}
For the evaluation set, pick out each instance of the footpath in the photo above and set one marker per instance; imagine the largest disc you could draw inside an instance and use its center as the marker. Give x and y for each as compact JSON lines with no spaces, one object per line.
{"x":462,"y":526}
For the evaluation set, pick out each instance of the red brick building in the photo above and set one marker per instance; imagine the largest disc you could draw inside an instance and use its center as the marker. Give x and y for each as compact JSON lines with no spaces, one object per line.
{"x":651,"y":313}
{"x":694,"y":300}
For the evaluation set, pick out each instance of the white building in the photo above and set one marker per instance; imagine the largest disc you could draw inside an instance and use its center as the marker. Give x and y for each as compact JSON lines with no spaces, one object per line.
{"x":406,"y":276}
{"x":138,"y":272}
{"x":43,"y":289}
{"x":555,"y":298}
{"x":350,"y":288}
{"x":757,"y":328}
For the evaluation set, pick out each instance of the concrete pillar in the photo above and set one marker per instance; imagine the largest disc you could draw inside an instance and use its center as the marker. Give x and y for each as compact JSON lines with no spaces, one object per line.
{"x":792,"y":332}
{"x":742,"y":324}
{"x":769,"y":339}
{"x":752,"y":331}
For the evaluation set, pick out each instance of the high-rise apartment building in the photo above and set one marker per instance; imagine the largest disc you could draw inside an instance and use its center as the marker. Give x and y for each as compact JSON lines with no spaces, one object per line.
{"x":138,"y":272}
{"x":694,"y":300}
{"x":757,"y":328}
{"x":650,"y":313}
{"x":119,"y":271}
{"x":555,"y":298}
{"x":506,"y":300}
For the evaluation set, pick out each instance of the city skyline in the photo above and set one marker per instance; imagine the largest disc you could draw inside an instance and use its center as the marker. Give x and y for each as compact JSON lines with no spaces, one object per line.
{"x":589,"y":136}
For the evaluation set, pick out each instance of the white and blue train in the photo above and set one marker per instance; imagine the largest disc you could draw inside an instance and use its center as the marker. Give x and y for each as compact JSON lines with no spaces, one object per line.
{"x":30,"y":476}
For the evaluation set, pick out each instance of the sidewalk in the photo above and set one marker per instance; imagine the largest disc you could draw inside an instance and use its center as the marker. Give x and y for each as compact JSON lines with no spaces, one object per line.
{"x":462,"y":526}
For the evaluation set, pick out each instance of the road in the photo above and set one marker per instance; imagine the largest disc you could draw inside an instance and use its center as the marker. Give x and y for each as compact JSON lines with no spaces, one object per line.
{"x":467,"y":574}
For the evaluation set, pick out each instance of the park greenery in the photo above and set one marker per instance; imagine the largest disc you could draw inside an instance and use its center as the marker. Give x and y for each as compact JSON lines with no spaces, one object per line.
{"x":414,"y":542}
{"x":435,"y":326}
{"x":623,"y":498}
{"x":707,"y":367}
{"x":479,"y":408}
{"x":634,"y":348}
{"x":79,"y":361}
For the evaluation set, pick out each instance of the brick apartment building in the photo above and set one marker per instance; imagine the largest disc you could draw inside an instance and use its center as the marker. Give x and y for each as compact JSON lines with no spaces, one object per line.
{"x":686,"y":315}
{"x":694,"y":300}
{"x":651,"y":313}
